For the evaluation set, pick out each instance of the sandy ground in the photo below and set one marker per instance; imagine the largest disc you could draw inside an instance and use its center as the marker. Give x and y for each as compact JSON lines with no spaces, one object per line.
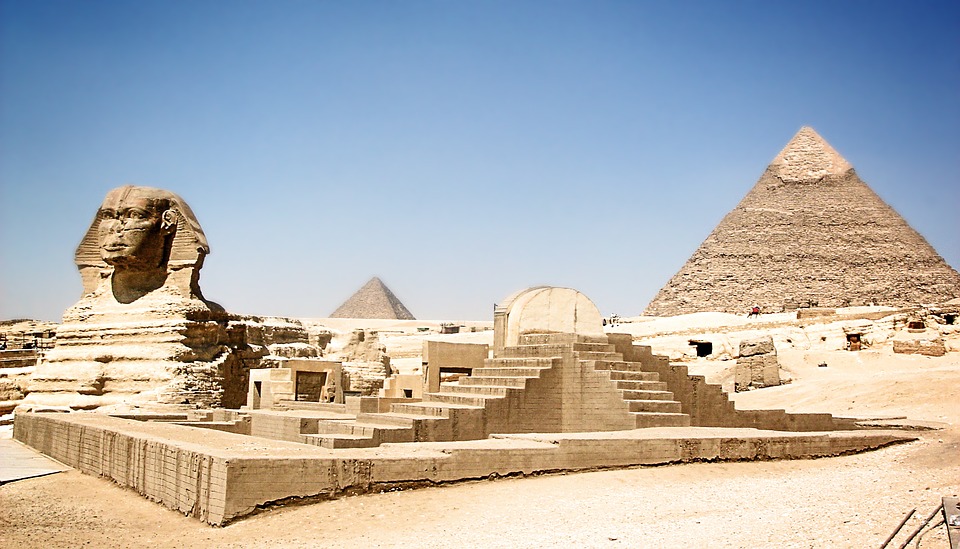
{"x":848,"y":501}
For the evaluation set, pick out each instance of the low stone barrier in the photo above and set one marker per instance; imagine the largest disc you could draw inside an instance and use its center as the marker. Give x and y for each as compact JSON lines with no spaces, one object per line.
{"x":217,"y":476}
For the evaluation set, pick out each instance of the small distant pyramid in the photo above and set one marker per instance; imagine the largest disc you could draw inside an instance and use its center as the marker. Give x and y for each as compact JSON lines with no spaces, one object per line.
{"x":374,"y":300}
{"x":810,"y":231}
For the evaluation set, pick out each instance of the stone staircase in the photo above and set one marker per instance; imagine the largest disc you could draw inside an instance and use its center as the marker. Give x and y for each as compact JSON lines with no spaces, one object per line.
{"x":504,"y":395}
{"x":647,"y":397}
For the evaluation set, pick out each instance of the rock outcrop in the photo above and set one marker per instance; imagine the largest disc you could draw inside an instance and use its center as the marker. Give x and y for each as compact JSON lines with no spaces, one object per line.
{"x":365,"y":362}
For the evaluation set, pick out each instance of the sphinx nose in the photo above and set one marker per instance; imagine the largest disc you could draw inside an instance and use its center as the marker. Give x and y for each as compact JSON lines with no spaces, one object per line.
{"x":116,"y":226}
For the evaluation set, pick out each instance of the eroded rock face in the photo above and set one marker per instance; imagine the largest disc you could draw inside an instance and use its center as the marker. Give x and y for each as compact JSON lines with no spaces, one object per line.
{"x":365,"y":362}
{"x":757,"y":346}
{"x":927,"y":342}
{"x":142,"y":331}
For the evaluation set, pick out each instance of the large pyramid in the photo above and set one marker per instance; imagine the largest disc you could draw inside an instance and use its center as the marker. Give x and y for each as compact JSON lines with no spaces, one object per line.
{"x":810,"y":231}
{"x":374,"y":300}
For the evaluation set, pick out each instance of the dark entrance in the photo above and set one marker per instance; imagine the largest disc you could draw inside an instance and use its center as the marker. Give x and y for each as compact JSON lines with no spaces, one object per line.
{"x":853,"y":342}
{"x":257,"y":394}
{"x":704,"y":348}
{"x":310,"y":385}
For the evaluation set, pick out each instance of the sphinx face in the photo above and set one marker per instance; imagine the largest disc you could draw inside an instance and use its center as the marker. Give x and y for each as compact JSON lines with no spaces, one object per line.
{"x":131,"y":231}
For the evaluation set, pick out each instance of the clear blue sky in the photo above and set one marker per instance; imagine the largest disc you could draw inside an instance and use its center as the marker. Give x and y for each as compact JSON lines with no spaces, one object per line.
{"x":458,"y":150}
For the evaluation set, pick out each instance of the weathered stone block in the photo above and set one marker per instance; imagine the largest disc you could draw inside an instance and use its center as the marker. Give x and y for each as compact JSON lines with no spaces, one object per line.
{"x":771,"y":371}
{"x":814,"y":312}
{"x":757,"y":346}
{"x":919,"y":347}
{"x":757,"y":371}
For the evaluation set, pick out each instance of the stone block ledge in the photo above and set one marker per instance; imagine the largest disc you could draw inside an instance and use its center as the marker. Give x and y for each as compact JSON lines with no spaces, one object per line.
{"x":217,"y":476}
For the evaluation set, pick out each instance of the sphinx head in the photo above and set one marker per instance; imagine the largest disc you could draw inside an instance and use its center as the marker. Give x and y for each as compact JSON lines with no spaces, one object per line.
{"x":135,"y":229}
{"x":139,"y":236}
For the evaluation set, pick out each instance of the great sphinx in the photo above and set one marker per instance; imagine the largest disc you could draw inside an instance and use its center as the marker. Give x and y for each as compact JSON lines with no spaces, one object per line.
{"x":143,"y":240}
{"x":142,"y":331}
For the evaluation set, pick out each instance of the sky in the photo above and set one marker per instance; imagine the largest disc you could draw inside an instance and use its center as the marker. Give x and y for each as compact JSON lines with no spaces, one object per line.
{"x":460,"y":151}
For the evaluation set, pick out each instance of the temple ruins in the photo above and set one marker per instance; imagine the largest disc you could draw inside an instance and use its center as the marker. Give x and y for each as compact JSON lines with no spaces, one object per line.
{"x":545,"y":401}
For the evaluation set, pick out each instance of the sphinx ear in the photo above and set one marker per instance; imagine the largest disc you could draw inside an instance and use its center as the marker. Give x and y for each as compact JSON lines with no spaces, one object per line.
{"x":168,"y":221}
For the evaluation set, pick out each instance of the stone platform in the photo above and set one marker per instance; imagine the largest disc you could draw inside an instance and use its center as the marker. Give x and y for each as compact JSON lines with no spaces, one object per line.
{"x":218,"y":476}
{"x":18,"y":462}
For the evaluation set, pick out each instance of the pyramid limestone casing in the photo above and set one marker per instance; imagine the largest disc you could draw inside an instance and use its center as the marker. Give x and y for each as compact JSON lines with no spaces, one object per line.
{"x":809,"y":230}
{"x":373,"y":300}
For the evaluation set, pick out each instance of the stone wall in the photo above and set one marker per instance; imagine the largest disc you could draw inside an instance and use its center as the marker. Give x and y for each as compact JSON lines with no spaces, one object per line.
{"x":709,"y":406}
{"x":218,"y":476}
{"x":448,"y":354}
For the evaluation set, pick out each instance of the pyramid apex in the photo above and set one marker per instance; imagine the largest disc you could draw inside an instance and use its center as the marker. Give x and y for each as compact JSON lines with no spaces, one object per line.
{"x":808,"y":157}
{"x":373,"y":300}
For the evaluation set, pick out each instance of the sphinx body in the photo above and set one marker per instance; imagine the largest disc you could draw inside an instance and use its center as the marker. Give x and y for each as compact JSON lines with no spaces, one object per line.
{"x":142,"y":331}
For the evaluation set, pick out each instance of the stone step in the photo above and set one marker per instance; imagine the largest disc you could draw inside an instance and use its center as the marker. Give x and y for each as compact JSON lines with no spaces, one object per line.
{"x":453,"y":398}
{"x":380,"y":433}
{"x":595,"y":347}
{"x":634,"y":376}
{"x":344,"y":427}
{"x":511,"y":382}
{"x":488,"y":390}
{"x":336,"y":441}
{"x":657,"y":419}
{"x":619,"y":365}
{"x":432,"y":409}
{"x":547,"y":339}
{"x":507,"y":372}
{"x":646,"y":394}
{"x":304,"y":405}
{"x":525,"y":362}
{"x":599,"y":355}
{"x":534,"y":351}
{"x":659,"y":406}
{"x":640,"y":385}
{"x":389,"y":418}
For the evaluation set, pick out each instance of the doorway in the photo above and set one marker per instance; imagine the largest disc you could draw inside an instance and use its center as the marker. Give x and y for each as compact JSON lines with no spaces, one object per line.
{"x":257,"y":394}
{"x":310,"y":386}
{"x":853,"y":342}
{"x":704,"y":348}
